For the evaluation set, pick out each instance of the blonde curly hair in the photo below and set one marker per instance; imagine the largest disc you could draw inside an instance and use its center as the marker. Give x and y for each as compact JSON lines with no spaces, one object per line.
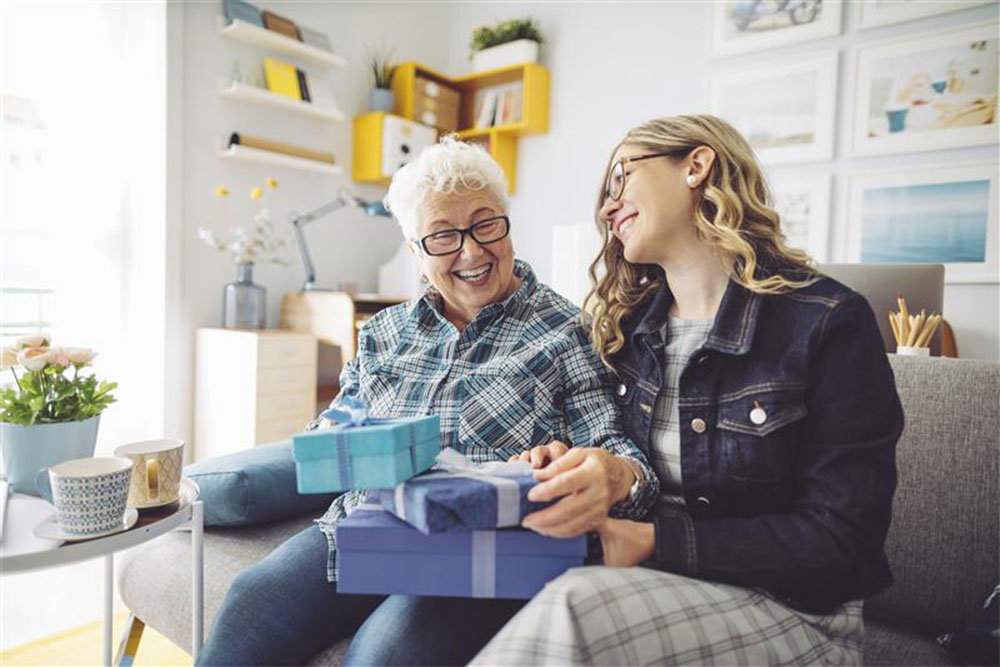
{"x":735,"y":214}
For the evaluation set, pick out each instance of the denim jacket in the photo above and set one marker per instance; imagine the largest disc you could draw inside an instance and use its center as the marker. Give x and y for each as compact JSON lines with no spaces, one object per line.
{"x":794,"y":498}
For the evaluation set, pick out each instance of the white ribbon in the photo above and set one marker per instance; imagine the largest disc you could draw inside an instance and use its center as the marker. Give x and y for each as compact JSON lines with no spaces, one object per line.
{"x":497,"y":473}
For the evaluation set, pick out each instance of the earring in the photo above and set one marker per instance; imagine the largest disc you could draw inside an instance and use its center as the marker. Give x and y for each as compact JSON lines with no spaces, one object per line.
{"x":691,"y":180}
{"x":423,"y":279}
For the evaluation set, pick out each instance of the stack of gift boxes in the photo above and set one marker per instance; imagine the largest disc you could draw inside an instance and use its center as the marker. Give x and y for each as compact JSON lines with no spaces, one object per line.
{"x":452,"y":531}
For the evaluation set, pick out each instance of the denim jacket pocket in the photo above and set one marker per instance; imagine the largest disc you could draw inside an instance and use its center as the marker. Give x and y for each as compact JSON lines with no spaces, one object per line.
{"x":758,"y":431}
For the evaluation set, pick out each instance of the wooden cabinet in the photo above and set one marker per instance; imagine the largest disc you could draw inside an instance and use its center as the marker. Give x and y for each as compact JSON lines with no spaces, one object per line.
{"x":251,"y":388}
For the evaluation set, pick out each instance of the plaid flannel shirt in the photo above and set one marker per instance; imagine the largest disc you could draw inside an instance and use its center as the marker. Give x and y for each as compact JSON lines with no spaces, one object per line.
{"x":521,"y":374}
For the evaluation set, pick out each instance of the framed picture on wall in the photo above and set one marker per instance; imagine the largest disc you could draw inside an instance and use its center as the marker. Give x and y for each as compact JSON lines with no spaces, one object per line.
{"x":930,"y":91}
{"x":875,"y":13}
{"x":752,"y":25}
{"x":942,"y":215}
{"x":785,"y":110}
{"x":803,"y":202}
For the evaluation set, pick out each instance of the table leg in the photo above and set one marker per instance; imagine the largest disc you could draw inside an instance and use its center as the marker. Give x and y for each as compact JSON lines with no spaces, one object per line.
{"x":109,"y":583}
{"x":197,"y":578}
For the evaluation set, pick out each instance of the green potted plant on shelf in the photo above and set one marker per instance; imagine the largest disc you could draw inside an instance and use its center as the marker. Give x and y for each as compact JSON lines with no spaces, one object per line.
{"x":381,"y":69}
{"x":51,"y":411}
{"x":507,"y":43}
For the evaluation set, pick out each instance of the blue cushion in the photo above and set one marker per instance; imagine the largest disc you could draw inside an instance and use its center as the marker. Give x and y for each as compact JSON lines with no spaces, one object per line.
{"x":253,"y":486}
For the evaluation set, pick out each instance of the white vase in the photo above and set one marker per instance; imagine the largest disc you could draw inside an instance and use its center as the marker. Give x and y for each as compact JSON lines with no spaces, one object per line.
{"x":511,"y":53}
{"x":28,"y":449}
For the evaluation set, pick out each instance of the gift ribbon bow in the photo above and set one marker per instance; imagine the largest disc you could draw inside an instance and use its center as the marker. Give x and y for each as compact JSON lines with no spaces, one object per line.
{"x":350,"y":412}
{"x":497,"y":473}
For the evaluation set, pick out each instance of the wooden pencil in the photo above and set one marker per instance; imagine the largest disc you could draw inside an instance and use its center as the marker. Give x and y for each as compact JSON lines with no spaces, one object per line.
{"x":895,"y":327}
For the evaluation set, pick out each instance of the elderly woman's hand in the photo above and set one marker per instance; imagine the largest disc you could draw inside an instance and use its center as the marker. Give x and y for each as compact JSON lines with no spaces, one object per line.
{"x":590,"y":480}
{"x":539,"y":456}
{"x":626,"y":543}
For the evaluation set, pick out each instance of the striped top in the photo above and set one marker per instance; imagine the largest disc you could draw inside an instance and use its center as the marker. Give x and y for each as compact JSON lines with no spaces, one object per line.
{"x":681,"y":338}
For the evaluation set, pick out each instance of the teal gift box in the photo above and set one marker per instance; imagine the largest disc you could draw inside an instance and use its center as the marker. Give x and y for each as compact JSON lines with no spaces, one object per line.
{"x":378,"y":454}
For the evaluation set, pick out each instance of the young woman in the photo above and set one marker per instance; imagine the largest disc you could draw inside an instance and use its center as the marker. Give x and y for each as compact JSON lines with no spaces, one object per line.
{"x":761,"y":393}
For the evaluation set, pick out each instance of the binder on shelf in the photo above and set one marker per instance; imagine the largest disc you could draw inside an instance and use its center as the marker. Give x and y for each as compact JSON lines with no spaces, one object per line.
{"x":282,"y":78}
{"x":303,"y":86}
{"x":280,"y":24}
{"x":244,"y":11}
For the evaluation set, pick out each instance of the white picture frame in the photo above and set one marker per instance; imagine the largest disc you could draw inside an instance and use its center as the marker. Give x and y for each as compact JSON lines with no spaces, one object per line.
{"x":946,"y":214}
{"x":786,"y":111}
{"x":875,"y":13}
{"x":770,"y":30}
{"x":803,"y":202}
{"x":929,"y":91}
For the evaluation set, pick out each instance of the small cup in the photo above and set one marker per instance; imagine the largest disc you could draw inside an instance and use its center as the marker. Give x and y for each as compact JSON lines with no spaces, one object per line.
{"x":157,"y":477}
{"x":907,"y":351}
{"x":89,"y":494}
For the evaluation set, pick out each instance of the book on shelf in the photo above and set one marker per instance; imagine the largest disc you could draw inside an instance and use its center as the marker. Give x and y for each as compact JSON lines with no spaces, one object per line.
{"x":303,"y":86}
{"x":282,"y":78}
{"x":486,"y":106}
{"x":314,"y":38}
{"x":280,"y":24}
{"x":499,"y":105}
{"x":509,"y":107}
{"x":244,"y":11}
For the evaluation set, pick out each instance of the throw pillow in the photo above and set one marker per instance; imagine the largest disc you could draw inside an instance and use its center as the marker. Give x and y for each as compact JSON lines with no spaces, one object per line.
{"x":253,"y":486}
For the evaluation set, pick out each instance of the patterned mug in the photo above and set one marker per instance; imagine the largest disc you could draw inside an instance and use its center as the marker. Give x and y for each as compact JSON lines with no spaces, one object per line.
{"x":89,"y":494}
{"x":156,"y":480}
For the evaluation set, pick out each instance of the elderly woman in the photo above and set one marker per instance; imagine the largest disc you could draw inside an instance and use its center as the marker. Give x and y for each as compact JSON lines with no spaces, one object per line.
{"x":505,"y":363}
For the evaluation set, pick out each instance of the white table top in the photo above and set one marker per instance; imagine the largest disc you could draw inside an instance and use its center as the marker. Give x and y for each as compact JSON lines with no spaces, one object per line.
{"x":21,"y":551}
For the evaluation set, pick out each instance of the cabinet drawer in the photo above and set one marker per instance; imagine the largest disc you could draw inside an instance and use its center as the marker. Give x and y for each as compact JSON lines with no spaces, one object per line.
{"x":274,"y":352}
{"x":278,"y":406}
{"x":286,"y":380}
{"x":273,"y":430}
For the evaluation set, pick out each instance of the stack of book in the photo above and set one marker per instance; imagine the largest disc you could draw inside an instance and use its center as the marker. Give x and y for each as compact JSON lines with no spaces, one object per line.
{"x":287,"y":80}
{"x":244,"y":11}
{"x":501,"y":105}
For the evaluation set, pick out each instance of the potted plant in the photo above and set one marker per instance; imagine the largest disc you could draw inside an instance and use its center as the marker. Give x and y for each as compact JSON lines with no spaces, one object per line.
{"x":244,"y":304}
{"x":508,"y":43}
{"x":51,"y":412}
{"x":381,"y":70}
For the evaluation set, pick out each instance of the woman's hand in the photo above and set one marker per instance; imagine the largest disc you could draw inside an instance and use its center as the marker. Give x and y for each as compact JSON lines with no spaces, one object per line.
{"x":539,"y":456}
{"x":626,"y":543}
{"x":590,"y":480}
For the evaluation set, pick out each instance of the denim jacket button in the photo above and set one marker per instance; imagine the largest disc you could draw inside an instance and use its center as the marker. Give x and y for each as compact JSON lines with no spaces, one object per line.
{"x":704,"y":501}
{"x":622,"y":389}
{"x":698,"y":425}
{"x":702,"y":359}
{"x":758,"y":416}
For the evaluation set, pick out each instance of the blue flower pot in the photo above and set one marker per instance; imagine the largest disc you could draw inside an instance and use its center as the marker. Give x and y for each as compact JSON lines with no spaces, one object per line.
{"x":28,"y":449}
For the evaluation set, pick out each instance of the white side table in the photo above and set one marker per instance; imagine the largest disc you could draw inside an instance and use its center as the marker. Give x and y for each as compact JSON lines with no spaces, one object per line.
{"x":21,"y":551}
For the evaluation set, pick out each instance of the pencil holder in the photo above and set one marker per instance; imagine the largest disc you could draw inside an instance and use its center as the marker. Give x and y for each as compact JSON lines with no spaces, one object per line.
{"x":908,"y":351}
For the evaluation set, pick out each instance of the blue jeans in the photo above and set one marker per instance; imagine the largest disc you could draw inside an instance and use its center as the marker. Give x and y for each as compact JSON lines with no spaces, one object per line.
{"x":282,"y":610}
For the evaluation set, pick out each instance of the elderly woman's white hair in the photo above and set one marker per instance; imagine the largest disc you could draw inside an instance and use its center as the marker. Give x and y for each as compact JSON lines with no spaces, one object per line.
{"x":445,"y":167}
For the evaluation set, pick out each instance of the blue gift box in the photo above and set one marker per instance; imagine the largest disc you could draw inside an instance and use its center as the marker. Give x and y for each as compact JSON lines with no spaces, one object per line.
{"x":380,"y":454}
{"x":380,"y":554}
{"x":478,"y":497}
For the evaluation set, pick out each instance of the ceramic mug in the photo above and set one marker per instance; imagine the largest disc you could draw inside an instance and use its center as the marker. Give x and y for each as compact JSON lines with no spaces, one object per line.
{"x":157,"y":477}
{"x":89,"y":494}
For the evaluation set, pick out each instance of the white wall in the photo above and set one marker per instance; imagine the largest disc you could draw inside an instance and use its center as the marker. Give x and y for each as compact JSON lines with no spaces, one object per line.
{"x":346,"y":245}
{"x":614,"y":65}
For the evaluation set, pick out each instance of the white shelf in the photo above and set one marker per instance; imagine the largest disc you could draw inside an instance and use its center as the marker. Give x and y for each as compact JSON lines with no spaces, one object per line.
{"x":251,"y":34}
{"x":253,"y":95}
{"x":237,"y":152}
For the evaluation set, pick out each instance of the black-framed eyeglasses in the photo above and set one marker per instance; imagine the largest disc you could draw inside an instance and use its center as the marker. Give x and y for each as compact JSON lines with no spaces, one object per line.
{"x":615,"y":186}
{"x":483,"y":232}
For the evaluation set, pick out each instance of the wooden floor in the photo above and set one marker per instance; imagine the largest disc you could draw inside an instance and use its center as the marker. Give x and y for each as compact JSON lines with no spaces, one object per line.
{"x":83,"y":646}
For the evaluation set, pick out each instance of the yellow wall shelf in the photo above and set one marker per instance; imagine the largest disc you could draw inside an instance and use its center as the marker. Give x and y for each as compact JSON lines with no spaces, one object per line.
{"x":499,"y":140}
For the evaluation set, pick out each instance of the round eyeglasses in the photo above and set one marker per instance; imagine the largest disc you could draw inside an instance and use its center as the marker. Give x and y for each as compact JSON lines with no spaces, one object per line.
{"x":451,"y":241}
{"x":615,"y":186}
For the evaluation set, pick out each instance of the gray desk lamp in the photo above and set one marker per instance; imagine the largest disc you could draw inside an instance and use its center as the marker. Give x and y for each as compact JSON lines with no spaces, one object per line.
{"x":344,"y":198}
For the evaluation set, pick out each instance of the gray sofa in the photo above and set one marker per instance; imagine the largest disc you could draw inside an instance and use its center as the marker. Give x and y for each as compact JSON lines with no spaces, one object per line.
{"x":943,"y":544}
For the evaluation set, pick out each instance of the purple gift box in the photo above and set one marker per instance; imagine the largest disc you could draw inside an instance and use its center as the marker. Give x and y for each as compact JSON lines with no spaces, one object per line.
{"x":378,"y":553}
